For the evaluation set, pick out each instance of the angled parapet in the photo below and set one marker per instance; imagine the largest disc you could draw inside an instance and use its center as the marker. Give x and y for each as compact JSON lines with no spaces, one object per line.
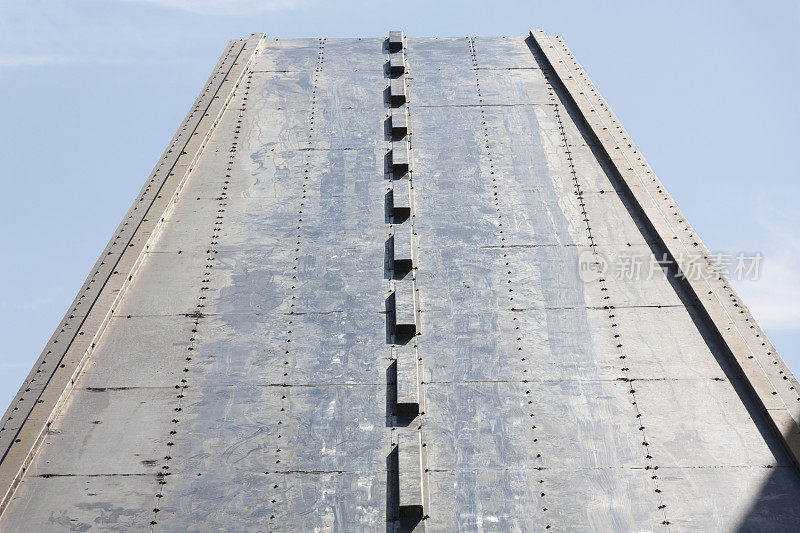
{"x":409,"y":480}
{"x":405,"y":327}
{"x":399,"y":121}
{"x":769,"y":380}
{"x":400,"y":157}
{"x":395,"y":41}
{"x":397,"y":91}
{"x":53,"y":376}
{"x":396,"y":64}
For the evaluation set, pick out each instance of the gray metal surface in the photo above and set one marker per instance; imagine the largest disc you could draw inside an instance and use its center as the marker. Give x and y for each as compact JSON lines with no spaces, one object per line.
{"x":322,"y":339}
{"x":44,"y":391}
{"x":776,"y":392}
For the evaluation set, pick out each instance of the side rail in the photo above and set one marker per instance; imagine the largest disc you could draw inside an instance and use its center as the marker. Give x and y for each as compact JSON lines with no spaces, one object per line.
{"x":773,"y":385}
{"x":38,"y":401}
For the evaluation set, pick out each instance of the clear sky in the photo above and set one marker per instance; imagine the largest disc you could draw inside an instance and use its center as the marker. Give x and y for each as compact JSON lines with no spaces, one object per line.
{"x":92,"y":91}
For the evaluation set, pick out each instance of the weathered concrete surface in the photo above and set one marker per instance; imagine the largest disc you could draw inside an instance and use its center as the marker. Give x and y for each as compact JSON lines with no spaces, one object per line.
{"x":249,"y":378}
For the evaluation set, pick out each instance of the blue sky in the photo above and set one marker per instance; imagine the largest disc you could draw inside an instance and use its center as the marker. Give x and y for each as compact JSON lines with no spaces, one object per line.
{"x":92,"y":91}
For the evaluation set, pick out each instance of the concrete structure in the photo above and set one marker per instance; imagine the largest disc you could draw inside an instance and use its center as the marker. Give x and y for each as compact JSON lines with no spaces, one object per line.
{"x":375,"y":284}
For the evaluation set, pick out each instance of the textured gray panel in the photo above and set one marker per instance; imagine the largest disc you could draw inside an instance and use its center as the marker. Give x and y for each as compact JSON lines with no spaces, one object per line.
{"x":81,"y":503}
{"x":434,"y":53}
{"x":504,"y":53}
{"x":732,"y":498}
{"x":283,"y":89}
{"x":339,"y":55}
{"x":458,"y":87}
{"x":101,"y":432}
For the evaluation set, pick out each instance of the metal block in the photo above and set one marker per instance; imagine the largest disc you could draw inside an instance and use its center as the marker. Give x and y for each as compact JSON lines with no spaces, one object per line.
{"x":407,"y":383}
{"x":409,"y":477}
{"x":401,"y":254}
{"x":404,"y":323}
{"x":401,"y":199}
{"x":397,"y":90}
{"x":395,"y":41}
{"x":396,"y":63}
{"x":399,"y":121}
{"x":400,"y":157}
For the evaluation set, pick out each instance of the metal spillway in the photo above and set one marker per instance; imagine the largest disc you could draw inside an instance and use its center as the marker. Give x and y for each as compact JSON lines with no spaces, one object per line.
{"x":367,"y":287}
